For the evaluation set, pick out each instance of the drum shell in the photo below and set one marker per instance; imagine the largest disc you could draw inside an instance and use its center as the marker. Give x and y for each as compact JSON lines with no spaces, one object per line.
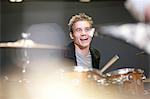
{"x":81,"y":78}
{"x":129,"y":82}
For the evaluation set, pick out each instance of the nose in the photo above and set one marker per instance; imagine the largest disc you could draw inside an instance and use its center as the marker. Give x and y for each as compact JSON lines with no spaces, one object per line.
{"x":83,"y":32}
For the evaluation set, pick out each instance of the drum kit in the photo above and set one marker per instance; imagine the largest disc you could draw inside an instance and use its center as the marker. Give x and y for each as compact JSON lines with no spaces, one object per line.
{"x":125,"y":80}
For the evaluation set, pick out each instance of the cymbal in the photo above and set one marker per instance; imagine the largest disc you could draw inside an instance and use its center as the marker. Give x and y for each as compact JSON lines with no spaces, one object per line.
{"x":27,"y":43}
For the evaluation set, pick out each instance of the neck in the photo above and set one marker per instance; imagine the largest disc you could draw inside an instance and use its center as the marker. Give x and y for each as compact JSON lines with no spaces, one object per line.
{"x":82,"y":50}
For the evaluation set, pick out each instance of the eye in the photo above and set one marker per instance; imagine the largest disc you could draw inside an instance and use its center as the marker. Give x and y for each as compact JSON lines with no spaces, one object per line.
{"x":87,"y":29}
{"x":78,"y":30}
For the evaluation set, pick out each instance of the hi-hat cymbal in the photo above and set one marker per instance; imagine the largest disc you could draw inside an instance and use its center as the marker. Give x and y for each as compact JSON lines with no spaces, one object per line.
{"x":27,"y":43}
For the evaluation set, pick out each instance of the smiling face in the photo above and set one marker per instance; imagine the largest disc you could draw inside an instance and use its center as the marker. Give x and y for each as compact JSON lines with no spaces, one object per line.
{"x":80,"y":34}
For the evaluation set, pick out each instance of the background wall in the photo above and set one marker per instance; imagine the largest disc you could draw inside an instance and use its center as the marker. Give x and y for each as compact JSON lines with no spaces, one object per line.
{"x":19,"y":17}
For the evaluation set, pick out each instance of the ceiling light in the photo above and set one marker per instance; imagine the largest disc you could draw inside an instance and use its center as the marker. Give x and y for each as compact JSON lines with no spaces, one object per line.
{"x":85,"y":0}
{"x":15,"y":0}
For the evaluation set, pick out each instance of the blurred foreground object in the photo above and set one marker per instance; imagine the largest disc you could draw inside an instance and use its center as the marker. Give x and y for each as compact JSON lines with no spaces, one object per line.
{"x":136,"y":34}
{"x":140,"y":9}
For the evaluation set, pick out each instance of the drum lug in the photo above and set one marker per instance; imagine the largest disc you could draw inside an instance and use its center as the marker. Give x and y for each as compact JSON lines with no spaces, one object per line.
{"x":143,"y":77}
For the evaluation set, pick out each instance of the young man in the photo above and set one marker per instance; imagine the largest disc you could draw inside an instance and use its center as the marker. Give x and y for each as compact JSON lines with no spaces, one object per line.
{"x":79,"y":50}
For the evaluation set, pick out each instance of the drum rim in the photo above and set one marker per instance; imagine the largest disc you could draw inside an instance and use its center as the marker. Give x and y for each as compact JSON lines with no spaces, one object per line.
{"x":123,"y":71}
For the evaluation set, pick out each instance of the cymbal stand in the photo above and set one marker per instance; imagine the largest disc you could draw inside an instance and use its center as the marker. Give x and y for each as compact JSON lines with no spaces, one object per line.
{"x":25,"y":59}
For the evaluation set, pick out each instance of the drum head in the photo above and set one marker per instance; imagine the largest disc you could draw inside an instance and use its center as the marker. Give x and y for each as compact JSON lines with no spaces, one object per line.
{"x":124,"y":71}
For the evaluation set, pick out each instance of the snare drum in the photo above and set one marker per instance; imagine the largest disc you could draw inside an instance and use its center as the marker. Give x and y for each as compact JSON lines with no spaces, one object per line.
{"x":129,"y":80}
{"x":82,"y":76}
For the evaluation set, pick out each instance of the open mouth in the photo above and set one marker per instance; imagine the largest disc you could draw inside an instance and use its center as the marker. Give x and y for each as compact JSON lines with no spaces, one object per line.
{"x":85,"y":39}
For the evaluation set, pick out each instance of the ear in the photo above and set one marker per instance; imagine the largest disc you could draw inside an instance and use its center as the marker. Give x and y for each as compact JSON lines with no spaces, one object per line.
{"x":71,"y":35}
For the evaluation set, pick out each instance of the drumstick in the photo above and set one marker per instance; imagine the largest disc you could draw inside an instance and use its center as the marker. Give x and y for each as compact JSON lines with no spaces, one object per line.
{"x":113,"y":60}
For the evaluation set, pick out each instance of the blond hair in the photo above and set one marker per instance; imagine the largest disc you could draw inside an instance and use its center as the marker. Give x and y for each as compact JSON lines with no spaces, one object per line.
{"x":79,"y":17}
